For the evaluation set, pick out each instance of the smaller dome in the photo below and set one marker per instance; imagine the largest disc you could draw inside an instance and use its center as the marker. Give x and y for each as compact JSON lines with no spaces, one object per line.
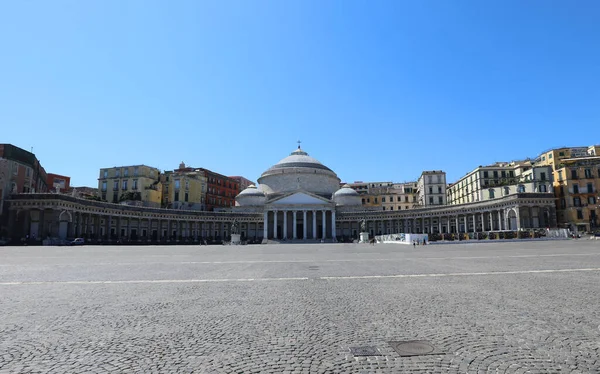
{"x":346,"y":196}
{"x":251,"y":196}
{"x":345,"y":191}
{"x":251,"y":190}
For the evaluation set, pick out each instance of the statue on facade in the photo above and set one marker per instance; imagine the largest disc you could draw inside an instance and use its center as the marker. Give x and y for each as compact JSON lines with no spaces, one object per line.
{"x":363,"y":225}
{"x":235,"y":227}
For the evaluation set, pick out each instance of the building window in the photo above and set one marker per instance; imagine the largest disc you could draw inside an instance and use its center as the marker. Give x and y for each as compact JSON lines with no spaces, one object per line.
{"x":134,"y":186}
{"x":177,"y":184}
{"x":574,"y":174}
{"x":115,"y":199}
{"x":135,"y":171}
{"x":503,"y":174}
{"x":124,"y":185}
{"x":186,"y":196}
{"x":391,"y":208}
{"x":406,"y":199}
{"x":126,"y":172}
{"x":521,"y":189}
{"x":430,"y":189}
{"x":575,"y":188}
{"x":440,"y":200}
{"x":104,"y":186}
{"x":491,"y":192}
{"x":549,"y":155}
{"x":176,"y":196}
{"x":105,"y":174}
{"x":506,"y":190}
{"x":375,"y":200}
{"x":430,"y":199}
{"x":118,"y":173}
{"x":590,"y":188}
{"x":116,"y":186}
{"x":588,"y":173}
{"x":543,"y":188}
{"x":591,"y":200}
{"x":368,"y":200}
{"x":579,"y":214}
{"x":563,"y":203}
{"x":576,"y":201}
{"x":430,"y":179}
{"x":383,"y":200}
{"x":383,"y":208}
{"x":439,"y":189}
{"x":363,"y":201}
{"x":187,"y":184}
{"x":543,"y":176}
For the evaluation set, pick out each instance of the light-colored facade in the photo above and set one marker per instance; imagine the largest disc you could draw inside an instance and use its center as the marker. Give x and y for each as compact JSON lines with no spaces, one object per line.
{"x":577,"y":186}
{"x":136,"y":184}
{"x":500,"y":179}
{"x":387,"y":195}
{"x":184,"y":188}
{"x":431,"y":188}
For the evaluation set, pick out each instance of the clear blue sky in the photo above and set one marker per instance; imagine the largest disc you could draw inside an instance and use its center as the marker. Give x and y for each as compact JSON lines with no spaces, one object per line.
{"x":376,"y":90}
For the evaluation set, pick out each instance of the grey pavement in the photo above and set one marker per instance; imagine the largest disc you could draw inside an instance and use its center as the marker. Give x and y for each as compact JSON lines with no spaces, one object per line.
{"x":520,"y":307}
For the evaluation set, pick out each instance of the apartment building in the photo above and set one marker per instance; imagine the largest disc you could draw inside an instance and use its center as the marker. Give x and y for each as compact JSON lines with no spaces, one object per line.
{"x":431,"y":188}
{"x":20,"y":172}
{"x":576,"y":186}
{"x":133,"y":185}
{"x":184,"y":188}
{"x":387,"y":195}
{"x":500,"y":179}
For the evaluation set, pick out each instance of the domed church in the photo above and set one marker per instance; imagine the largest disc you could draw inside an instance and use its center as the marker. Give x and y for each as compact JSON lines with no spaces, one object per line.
{"x":298,"y":197}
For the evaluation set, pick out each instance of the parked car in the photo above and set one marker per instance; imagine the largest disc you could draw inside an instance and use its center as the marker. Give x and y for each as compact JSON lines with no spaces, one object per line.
{"x":77,"y":241}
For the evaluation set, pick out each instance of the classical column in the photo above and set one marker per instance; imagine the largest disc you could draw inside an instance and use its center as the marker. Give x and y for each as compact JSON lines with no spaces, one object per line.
{"x":314,"y":215}
{"x":482,"y":221}
{"x":285,"y":214}
{"x":294,"y":225}
{"x":413,"y":227}
{"x":274,"y":224}
{"x":304,"y":224}
{"x":333,"y":228}
{"x":474,"y":222}
{"x":457,"y":228}
{"x":324,"y":212}
{"x":465,"y":222}
{"x":119,"y":226}
{"x":500,"y":220}
{"x":422,"y":225}
{"x":265,"y":224}
{"x":440,"y":225}
{"x":88,"y":229}
{"x":518,"y":211}
{"x":491,"y":221}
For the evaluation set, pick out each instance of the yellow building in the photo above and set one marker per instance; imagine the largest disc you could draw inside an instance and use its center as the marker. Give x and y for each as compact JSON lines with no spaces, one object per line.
{"x":387,"y":195}
{"x":136,"y":185}
{"x":576,"y":174}
{"x":184,"y":188}
{"x":576,"y":186}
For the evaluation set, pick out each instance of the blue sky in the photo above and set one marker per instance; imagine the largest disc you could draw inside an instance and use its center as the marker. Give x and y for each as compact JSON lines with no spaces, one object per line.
{"x":375,"y":90}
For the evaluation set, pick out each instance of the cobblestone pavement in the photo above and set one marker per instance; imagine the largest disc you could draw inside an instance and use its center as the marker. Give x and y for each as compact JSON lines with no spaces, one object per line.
{"x":530,"y":307}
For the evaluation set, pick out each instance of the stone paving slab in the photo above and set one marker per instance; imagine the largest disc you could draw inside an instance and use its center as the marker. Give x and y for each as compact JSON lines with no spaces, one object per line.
{"x":490,"y":323}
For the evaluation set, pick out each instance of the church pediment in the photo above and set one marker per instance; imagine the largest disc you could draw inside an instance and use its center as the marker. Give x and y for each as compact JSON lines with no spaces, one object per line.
{"x":300,"y":198}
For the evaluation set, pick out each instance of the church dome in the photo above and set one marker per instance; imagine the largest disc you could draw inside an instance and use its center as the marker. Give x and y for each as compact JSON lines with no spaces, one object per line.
{"x":296,"y":172}
{"x":346,"y":196}
{"x":298,"y":159}
{"x":250,"y":196}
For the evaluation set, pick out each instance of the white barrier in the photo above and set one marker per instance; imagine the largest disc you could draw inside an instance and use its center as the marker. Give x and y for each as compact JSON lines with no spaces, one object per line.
{"x":402,"y":238}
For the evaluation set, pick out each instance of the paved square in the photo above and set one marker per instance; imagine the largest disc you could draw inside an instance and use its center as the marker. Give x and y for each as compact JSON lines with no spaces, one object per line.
{"x":522,"y":307}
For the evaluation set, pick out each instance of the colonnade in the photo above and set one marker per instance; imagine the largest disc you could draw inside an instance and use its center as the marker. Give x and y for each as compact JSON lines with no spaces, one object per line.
{"x":305,"y":224}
